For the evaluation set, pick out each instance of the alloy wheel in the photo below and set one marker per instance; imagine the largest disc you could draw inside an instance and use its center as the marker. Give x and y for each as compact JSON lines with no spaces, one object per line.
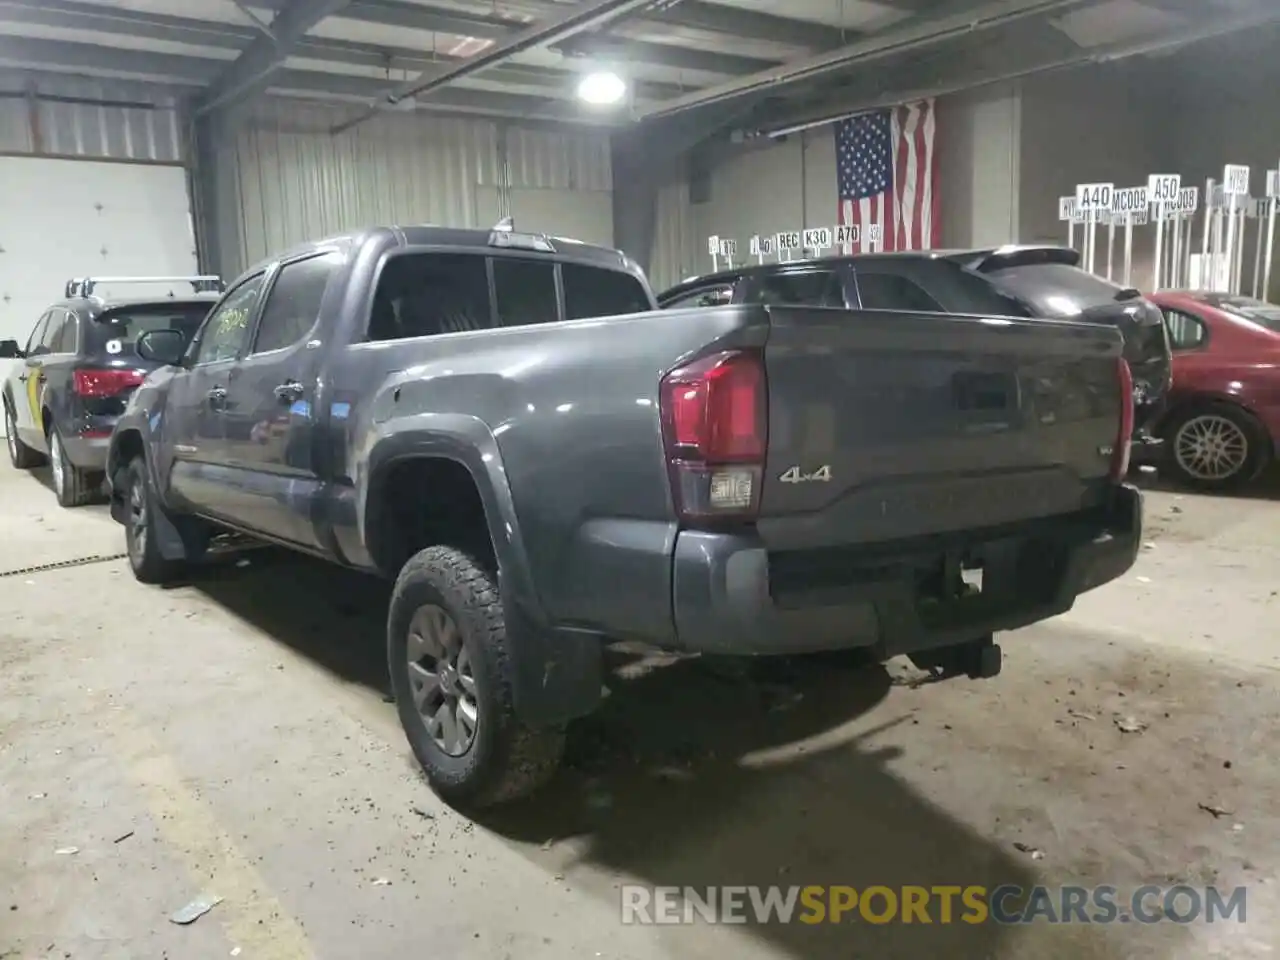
{"x":56,"y":464}
{"x":442,"y":680}
{"x":137,"y":520}
{"x":1211,"y":447}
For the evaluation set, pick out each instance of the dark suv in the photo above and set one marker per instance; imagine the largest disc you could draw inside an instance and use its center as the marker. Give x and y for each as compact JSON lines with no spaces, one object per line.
{"x":1017,"y":281}
{"x":79,"y":367}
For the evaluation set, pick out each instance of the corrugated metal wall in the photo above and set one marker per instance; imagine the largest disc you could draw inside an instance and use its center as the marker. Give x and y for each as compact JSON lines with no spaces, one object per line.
{"x":98,"y":119}
{"x":287,"y":180}
{"x":676,"y":250}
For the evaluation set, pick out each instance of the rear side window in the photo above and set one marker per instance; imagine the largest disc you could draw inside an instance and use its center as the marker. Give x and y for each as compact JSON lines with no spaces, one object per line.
{"x":718,"y":295}
{"x":525,"y":291}
{"x":425,"y":294}
{"x":887,"y":291}
{"x":60,"y":336}
{"x":1185,"y":331}
{"x":596,"y":292}
{"x":813,"y":288}
{"x":294,"y":302}
{"x":118,"y":331}
{"x":1057,"y":291}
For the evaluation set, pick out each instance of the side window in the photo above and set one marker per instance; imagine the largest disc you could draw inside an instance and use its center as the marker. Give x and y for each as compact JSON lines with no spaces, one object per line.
{"x":716,"y":296}
{"x":54,"y":333}
{"x":813,"y":288}
{"x":33,"y":343}
{"x":1185,"y":331}
{"x":62,"y":335}
{"x":597,"y":292}
{"x":887,"y":291}
{"x":423,"y":294}
{"x":225,"y":332}
{"x":524,"y":291}
{"x":294,"y":302}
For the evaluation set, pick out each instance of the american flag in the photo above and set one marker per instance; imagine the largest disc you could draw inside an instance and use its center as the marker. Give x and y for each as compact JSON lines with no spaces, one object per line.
{"x":886,"y":177}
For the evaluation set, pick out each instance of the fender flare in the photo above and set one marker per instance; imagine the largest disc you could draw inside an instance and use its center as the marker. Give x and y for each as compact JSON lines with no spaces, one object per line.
{"x":556,"y":675}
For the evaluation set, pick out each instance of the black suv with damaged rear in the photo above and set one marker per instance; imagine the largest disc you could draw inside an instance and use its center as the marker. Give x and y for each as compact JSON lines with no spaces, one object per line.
{"x":503,"y":425}
{"x":78,"y":368}
{"x":1014,"y":281}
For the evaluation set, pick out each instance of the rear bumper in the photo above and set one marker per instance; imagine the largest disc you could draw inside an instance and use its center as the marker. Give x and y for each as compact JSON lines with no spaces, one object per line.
{"x":732,"y":596}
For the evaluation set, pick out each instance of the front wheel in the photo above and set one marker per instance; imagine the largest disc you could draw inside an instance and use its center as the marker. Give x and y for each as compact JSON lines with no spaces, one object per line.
{"x":451,"y":673}
{"x":1216,"y":447}
{"x":20,"y":455}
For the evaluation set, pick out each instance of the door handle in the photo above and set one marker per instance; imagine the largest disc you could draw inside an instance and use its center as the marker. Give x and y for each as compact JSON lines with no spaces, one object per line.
{"x":217,"y":396}
{"x":289,"y":391}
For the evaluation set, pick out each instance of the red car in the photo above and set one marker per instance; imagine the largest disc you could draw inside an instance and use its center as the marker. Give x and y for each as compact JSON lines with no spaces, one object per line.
{"x":1222,"y":422}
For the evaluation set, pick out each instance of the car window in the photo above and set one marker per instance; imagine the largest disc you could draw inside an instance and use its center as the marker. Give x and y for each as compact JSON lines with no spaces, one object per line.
{"x":714,"y":296}
{"x":33,"y":342}
{"x":1255,"y":311}
{"x":225,"y":332}
{"x":293,"y":304}
{"x":524,"y":291}
{"x":888,"y":291}
{"x":1185,"y":331}
{"x":117,"y":331}
{"x":60,"y":335}
{"x":597,"y":292}
{"x":1056,"y":291}
{"x":812,"y":288}
{"x":424,"y":294}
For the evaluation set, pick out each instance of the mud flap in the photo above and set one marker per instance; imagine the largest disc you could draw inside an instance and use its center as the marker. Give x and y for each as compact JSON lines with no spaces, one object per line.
{"x":556,"y":675}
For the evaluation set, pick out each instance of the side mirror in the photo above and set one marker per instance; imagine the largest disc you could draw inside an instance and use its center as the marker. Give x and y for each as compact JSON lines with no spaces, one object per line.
{"x":9,"y":350}
{"x":162,"y":346}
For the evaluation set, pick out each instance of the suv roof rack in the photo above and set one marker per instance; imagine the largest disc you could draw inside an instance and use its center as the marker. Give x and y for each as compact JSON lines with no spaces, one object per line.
{"x":84,"y":286}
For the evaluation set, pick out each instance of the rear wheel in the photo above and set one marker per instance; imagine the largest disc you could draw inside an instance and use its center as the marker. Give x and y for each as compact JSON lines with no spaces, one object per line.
{"x":447,"y":653}
{"x":1216,"y":447}
{"x":20,"y":455}
{"x":74,"y":487}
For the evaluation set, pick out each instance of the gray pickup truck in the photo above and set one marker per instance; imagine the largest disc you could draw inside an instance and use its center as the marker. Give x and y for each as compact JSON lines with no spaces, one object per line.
{"x":543,"y":462}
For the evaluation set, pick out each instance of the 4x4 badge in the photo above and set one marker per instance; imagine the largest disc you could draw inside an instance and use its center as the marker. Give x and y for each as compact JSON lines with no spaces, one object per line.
{"x":796,"y":475}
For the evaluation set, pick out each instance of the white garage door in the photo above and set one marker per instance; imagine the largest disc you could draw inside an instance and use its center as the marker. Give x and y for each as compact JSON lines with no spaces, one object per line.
{"x":77,"y":218}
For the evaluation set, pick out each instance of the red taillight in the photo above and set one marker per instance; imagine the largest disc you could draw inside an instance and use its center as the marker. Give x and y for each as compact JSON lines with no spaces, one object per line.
{"x":106,"y":382}
{"x":1120,"y":455}
{"x":714,"y":424}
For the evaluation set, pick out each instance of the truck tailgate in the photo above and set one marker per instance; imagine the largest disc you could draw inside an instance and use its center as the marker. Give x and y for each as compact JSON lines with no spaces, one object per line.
{"x":887,"y":425}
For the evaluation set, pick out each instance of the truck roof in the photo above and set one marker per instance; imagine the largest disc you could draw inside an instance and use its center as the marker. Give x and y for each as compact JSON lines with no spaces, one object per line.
{"x":460,"y":238}
{"x":962,"y":256}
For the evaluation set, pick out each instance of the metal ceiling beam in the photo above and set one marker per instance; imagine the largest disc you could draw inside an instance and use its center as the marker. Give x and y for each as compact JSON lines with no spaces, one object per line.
{"x":748,"y":24}
{"x":580,"y":17}
{"x":65,"y":56}
{"x":79,"y":15}
{"x":600,"y":47}
{"x":952,"y":19}
{"x":251,"y":70}
{"x":412,"y":16}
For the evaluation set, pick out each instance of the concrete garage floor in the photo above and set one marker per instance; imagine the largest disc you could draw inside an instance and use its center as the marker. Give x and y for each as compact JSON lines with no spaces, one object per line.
{"x":231,"y":737}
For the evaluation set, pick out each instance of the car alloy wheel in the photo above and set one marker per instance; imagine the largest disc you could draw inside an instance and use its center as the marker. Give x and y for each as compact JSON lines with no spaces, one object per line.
{"x":11,"y":434}
{"x":442,"y":680}
{"x":1211,"y":447}
{"x":56,"y":463}
{"x":137,"y":519}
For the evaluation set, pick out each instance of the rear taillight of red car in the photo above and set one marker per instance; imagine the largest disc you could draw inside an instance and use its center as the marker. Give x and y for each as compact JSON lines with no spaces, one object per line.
{"x":715,"y":432}
{"x":101,"y":382}
{"x":1124,"y":438}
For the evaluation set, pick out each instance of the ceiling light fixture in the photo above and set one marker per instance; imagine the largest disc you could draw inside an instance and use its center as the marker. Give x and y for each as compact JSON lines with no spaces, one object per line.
{"x":604,"y":88}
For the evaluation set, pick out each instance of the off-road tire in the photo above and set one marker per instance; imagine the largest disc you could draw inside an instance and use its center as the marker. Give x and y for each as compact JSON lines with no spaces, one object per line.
{"x":77,"y":487}
{"x":20,"y":455}
{"x":507,"y":759}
